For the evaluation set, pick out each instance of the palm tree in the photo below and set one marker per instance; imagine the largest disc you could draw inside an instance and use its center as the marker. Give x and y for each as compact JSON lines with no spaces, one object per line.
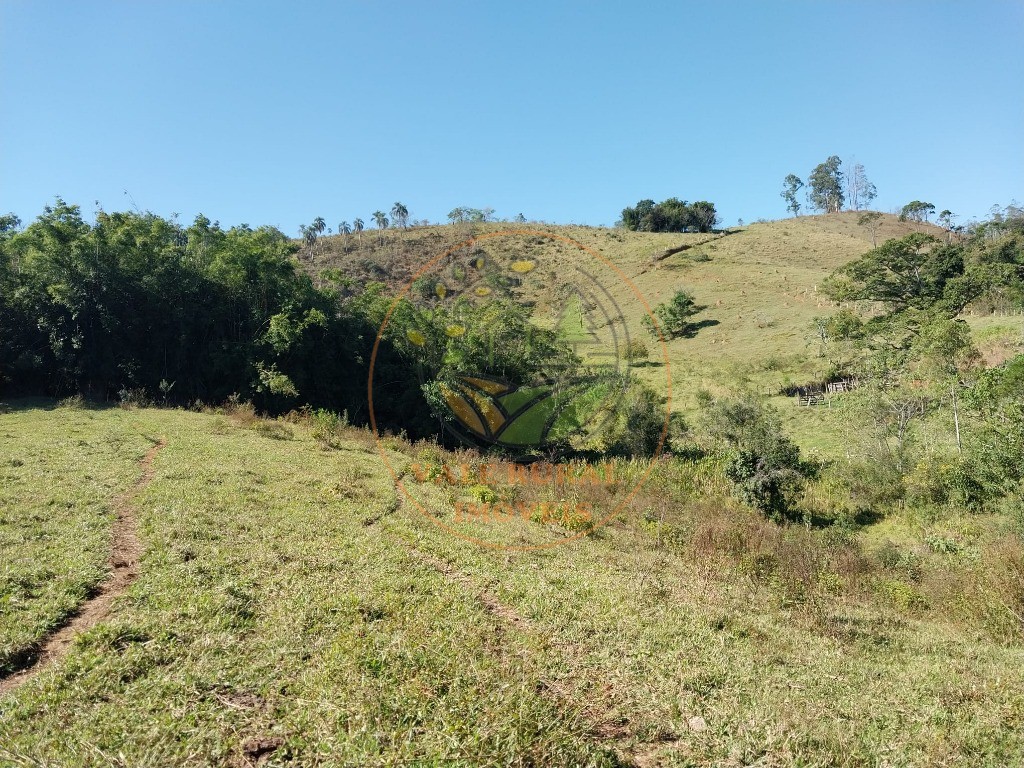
{"x":344,"y":230}
{"x":309,"y":235}
{"x":318,"y":225}
{"x":382,"y":223}
{"x":357,"y":227}
{"x":314,"y":230}
{"x":400,"y":214}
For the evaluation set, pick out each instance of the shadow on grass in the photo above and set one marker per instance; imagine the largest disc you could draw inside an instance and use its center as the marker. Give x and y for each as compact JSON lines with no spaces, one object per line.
{"x":868,"y":517}
{"x":646,"y":364}
{"x":38,"y":403}
{"x":692,"y":329}
{"x":812,"y":520}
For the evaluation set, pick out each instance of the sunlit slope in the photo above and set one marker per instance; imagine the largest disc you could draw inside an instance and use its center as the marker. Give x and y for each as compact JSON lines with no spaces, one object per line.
{"x":759,"y":284}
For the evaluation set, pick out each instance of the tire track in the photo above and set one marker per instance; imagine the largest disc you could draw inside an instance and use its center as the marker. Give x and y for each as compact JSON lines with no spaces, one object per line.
{"x":123,"y":563}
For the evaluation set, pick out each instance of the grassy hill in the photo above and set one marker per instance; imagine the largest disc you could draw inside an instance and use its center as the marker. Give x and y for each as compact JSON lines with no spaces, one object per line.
{"x":209,"y":587}
{"x":292,"y":609}
{"x":759,"y":285}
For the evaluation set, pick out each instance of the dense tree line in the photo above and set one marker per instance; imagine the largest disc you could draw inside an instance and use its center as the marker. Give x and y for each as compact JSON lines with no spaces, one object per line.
{"x":672,"y":215}
{"x":135,"y":303}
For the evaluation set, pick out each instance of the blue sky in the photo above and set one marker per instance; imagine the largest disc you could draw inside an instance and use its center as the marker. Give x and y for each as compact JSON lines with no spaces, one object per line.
{"x":275,"y":113}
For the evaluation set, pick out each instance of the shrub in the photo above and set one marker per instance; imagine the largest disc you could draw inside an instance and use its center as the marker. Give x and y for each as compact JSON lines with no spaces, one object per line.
{"x":327,"y":427}
{"x":274,"y":382}
{"x":764,"y":465}
{"x":242,"y":413}
{"x":133,"y":398}
{"x":275,"y":430}
{"x":673,"y":316}
{"x":640,"y":424}
{"x":899,"y":561}
{"x":901,"y":594}
{"x":944,"y":482}
{"x":767,"y":477}
{"x":635,"y":351}
{"x":483,"y":494}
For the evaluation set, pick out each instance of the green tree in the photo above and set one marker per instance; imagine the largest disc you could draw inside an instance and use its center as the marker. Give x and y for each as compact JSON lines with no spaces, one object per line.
{"x":673,"y":316}
{"x":916,"y":210}
{"x":946,"y":222}
{"x":636,"y":217}
{"x":763,"y":464}
{"x":309,"y":237}
{"x":826,"y":186}
{"x":400,"y":215}
{"x":318,"y":226}
{"x":672,"y":215}
{"x":704,"y":215}
{"x":911,"y":272}
{"x":996,"y":444}
{"x":344,"y":230}
{"x":357,"y":227}
{"x":945,"y":356}
{"x":791,"y":185}
{"x":381,"y":220}
{"x":871,"y":220}
{"x":15,"y":337}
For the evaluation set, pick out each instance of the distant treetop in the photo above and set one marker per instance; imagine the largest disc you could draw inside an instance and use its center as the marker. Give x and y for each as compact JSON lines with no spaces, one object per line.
{"x":672,"y":215}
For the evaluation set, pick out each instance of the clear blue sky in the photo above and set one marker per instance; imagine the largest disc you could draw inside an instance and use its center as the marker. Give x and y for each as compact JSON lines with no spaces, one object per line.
{"x":275,"y":113}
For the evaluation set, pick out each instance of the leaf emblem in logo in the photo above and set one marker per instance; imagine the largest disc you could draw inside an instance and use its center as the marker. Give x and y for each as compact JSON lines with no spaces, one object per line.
{"x":500,"y":412}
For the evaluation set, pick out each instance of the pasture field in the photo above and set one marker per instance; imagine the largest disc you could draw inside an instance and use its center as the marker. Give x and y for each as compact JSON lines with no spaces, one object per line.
{"x":293,"y":608}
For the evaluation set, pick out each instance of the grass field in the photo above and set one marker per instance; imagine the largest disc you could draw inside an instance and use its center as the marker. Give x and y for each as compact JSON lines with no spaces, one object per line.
{"x":294,"y":609}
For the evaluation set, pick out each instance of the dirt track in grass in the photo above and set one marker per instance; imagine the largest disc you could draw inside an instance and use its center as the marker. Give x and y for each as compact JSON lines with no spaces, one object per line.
{"x":123,"y":565}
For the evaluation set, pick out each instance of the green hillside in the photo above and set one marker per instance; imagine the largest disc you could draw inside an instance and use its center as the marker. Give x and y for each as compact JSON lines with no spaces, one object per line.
{"x":208,"y":558}
{"x":293,"y":609}
{"x":759,"y":284}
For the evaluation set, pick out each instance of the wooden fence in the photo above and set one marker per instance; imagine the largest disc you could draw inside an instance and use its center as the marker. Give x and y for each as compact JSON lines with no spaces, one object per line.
{"x":820,"y":393}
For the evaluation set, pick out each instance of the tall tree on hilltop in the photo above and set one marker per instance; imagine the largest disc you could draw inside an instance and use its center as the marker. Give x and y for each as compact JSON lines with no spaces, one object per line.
{"x":826,"y":186}
{"x":790,"y":186}
{"x":871,"y":220}
{"x":309,"y":236}
{"x":357,"y":227}
{"x":400,"y":215}
{"x":946,"y":222}
{"x":860,"y":192}
{"x":704,"y":215}
{"x":318,"y":226}
{"x":344,"y":230}
{"x":381,"y":220}
{"x":916,"y":210}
